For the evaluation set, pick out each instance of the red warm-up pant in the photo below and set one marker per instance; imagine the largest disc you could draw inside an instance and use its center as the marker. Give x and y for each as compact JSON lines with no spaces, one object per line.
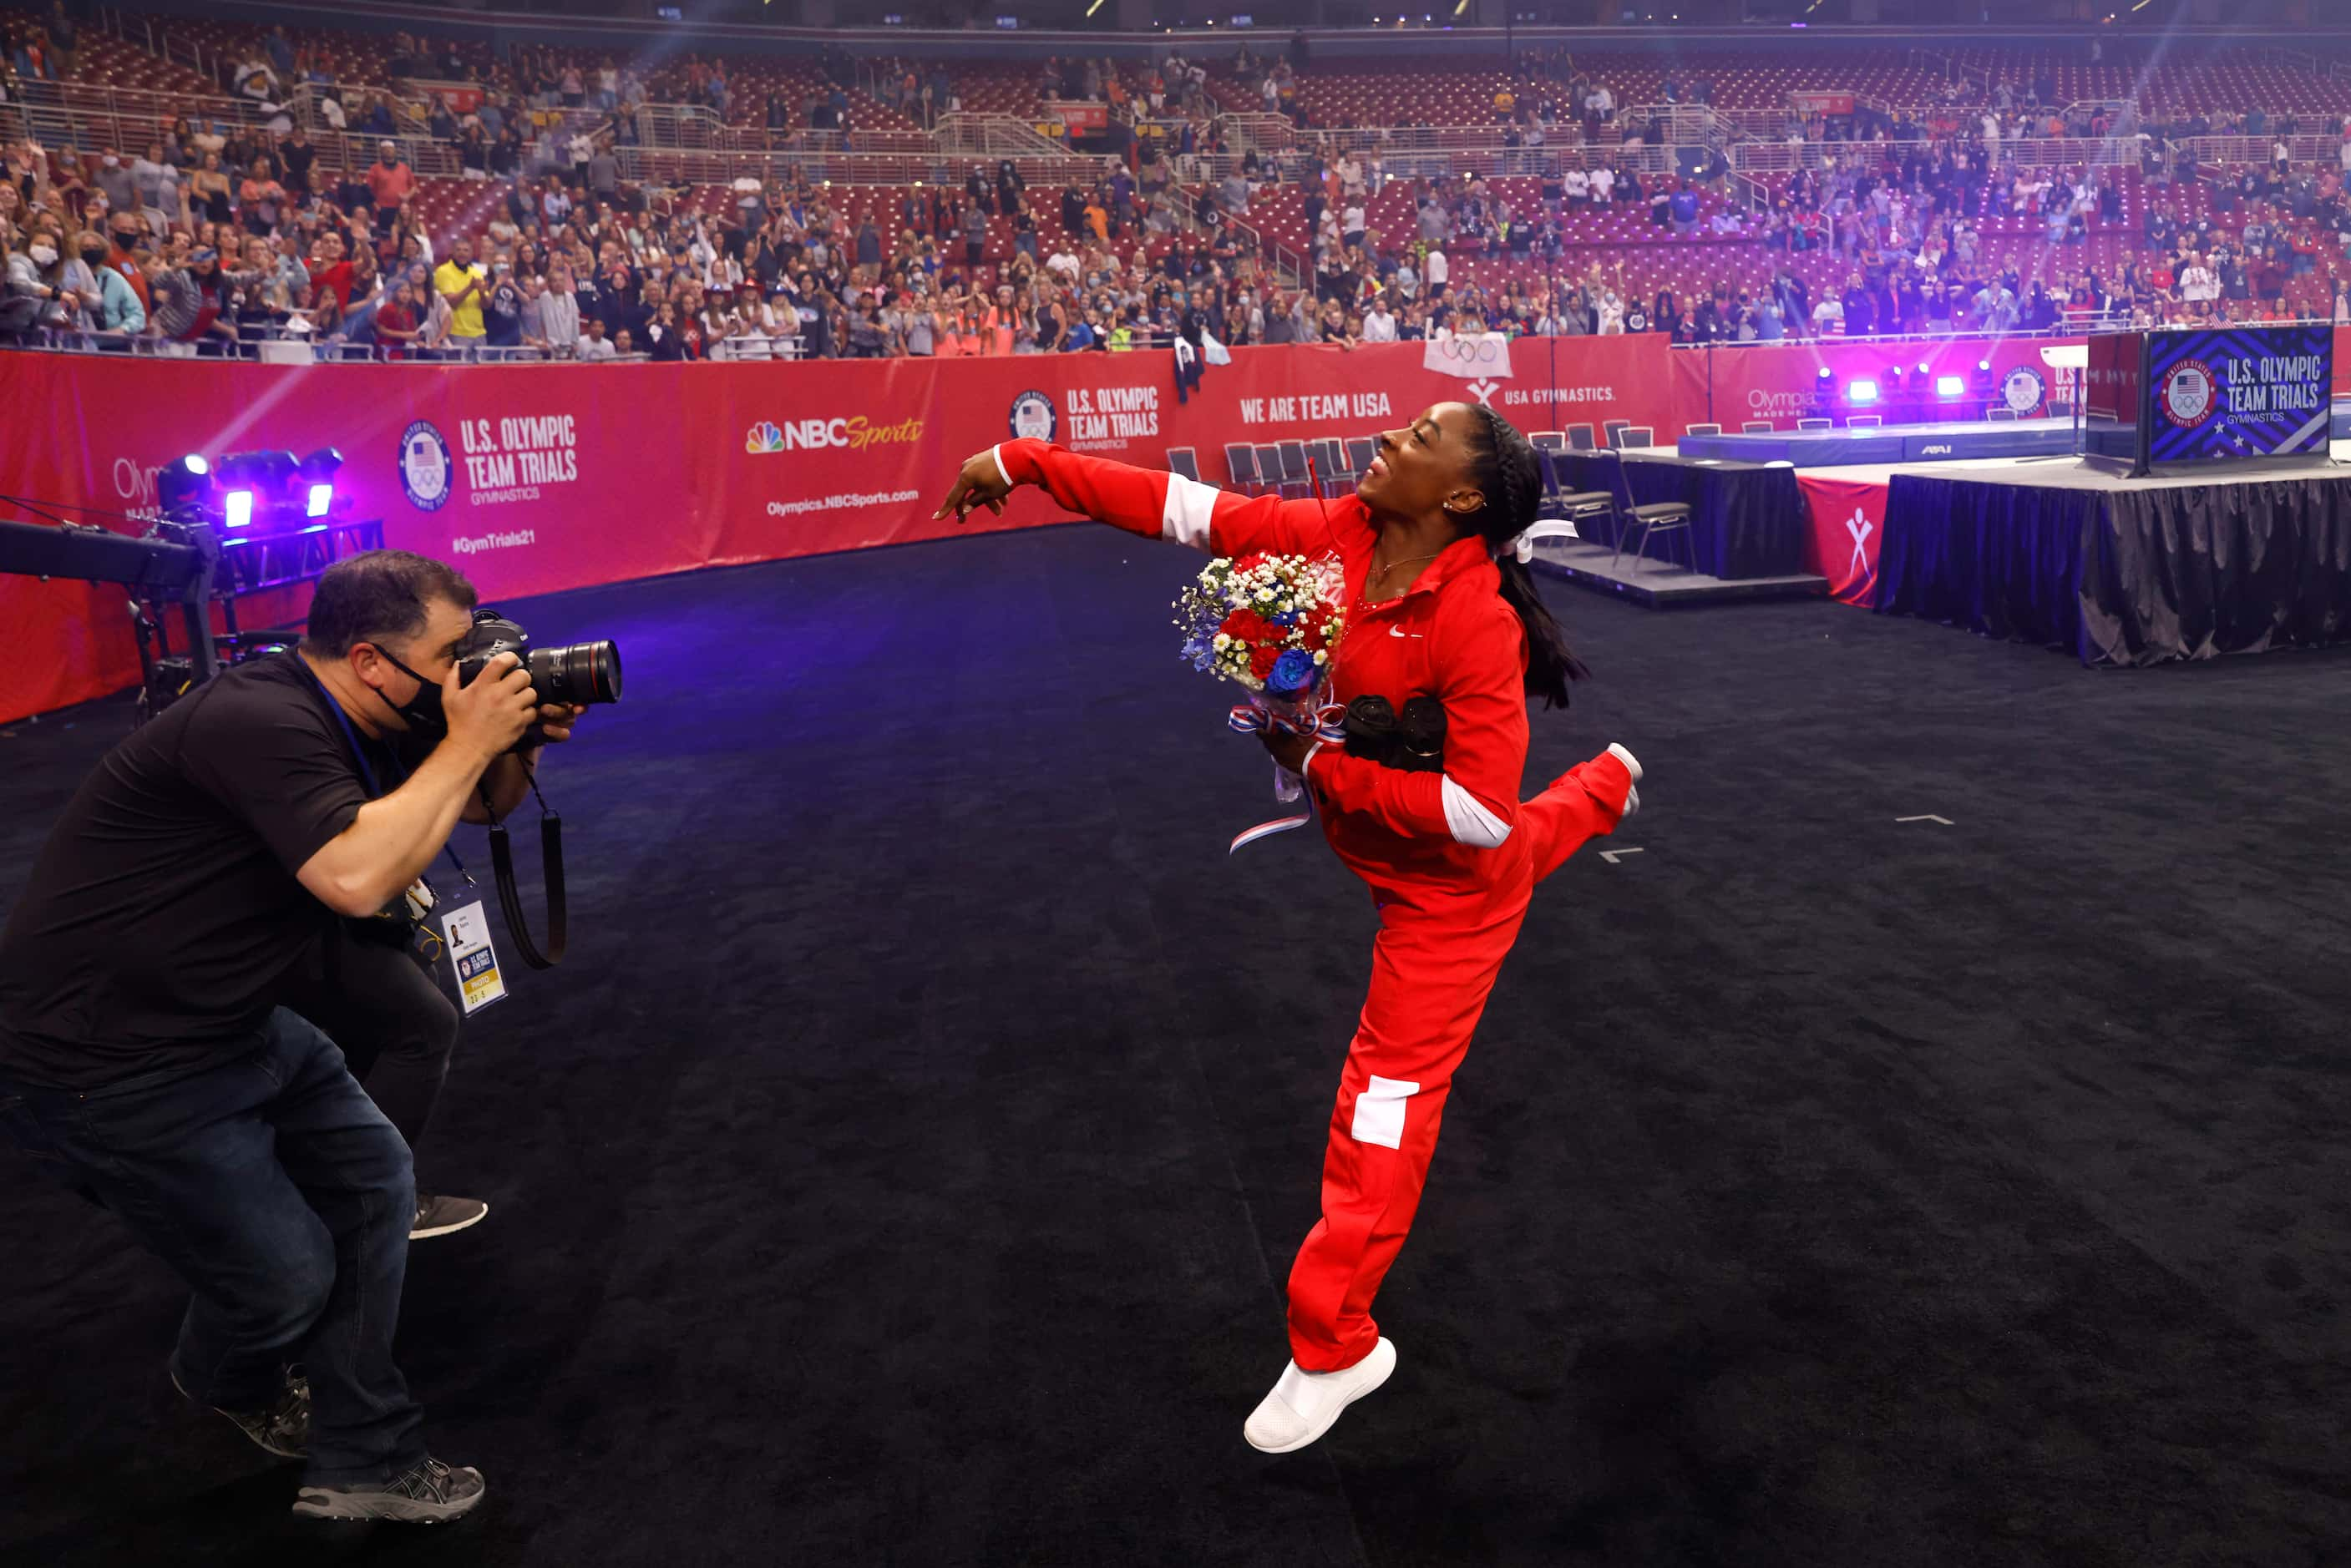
{"x":1433,"y":964}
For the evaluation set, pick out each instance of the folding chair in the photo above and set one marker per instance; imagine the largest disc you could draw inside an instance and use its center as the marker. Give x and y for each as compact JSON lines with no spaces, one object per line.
{"x":1757,"y":427}
{"x":1240,"y":462}
{"x":2000,"y":414}
{"x":1185,"y":460}
{"x":1571,"y":505}
{"x":1864,"y":421}
{"x":1330,"y":456}
{"x":1703,"y":429}
{"x":1549,"y":440}
{"x":1360,"y":449}
{"x":1622,"y":436}
{"x":1579,"y":438}
{"x":1293,"y":468}
{"x":1668,"y":515}
{"x":1609,"y":428}
{"x":1817,"y":424}
{"x":1269,"y":471}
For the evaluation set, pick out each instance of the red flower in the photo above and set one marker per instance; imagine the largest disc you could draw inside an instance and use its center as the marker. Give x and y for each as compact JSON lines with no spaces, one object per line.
{"x":1261,"y":661}
{"x":1246,"y":626}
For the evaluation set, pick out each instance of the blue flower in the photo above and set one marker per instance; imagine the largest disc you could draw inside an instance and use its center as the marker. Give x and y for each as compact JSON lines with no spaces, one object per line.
{"x":1294,"y":674}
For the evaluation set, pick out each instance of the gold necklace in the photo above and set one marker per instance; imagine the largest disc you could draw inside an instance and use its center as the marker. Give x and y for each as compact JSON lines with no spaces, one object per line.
{"x":1379,"y":574}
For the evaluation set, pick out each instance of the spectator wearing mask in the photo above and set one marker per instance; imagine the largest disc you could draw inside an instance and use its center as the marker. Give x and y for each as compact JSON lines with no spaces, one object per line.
{"x":108,"y":303}
{"x":36,"y":297}
{"x":115,"y":178}
{"x":124,"y":237}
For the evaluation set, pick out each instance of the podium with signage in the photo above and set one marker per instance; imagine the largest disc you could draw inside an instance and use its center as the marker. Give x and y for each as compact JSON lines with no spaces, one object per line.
{"x":2199,"y":398}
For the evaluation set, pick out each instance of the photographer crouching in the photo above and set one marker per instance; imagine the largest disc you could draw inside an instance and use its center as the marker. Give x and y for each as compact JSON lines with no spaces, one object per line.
{"x":195,"y":919}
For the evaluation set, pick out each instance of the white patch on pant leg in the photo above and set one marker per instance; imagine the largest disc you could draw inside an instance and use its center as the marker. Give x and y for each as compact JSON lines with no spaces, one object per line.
{"x":1379,"y":1111}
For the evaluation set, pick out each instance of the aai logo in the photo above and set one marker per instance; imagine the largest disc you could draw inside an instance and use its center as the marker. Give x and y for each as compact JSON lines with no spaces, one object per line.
{"x":1034,"y":416}
{"x":425,"y":471}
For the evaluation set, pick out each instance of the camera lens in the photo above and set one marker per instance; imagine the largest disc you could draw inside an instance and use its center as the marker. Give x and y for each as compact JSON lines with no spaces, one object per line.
{"x":581,"y":674}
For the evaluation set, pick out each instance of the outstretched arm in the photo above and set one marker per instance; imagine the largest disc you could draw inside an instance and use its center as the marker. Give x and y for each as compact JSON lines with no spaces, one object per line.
{"x":1150,"y":501}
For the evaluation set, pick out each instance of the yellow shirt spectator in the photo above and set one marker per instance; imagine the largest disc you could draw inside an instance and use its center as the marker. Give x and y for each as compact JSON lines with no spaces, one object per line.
{"x":466,"y":314}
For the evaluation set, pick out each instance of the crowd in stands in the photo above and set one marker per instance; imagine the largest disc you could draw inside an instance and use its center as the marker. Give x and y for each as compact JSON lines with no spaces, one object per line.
{"x":217,"y":234}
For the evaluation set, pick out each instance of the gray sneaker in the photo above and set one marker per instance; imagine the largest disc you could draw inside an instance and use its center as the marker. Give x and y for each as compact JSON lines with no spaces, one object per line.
{"x":283,"y":1427}
{"x":429,"y":1493}
{"x":438,"y":1216}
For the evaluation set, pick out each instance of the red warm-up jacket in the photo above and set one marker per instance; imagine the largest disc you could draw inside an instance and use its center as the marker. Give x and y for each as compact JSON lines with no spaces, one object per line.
{"x":1451,"y":636}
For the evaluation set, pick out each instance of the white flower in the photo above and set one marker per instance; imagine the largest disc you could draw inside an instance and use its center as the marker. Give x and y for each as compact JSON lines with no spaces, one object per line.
{"x":1222,"y":640}
{"x":1322,"y":658}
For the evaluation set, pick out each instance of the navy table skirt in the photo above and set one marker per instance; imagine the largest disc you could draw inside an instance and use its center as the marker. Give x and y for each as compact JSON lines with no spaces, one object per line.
{"x":1747,"y":519}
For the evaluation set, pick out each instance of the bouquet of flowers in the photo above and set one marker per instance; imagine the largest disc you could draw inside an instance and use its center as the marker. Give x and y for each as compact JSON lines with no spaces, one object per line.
{"x":1270,"y":624}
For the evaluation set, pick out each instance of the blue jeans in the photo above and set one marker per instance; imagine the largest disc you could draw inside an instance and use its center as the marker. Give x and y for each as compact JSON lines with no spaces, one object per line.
{"x":284,"y":1199}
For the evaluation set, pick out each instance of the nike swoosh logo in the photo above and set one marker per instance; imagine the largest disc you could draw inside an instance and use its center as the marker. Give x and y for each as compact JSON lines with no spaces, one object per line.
{"x":1399,"y":631}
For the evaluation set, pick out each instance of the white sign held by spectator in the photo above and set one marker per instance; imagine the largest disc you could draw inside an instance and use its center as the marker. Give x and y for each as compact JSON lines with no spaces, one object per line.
{"x":1478,"y":356}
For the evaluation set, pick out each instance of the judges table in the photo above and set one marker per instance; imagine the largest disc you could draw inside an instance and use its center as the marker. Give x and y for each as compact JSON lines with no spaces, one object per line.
{"x":1747,"y":519}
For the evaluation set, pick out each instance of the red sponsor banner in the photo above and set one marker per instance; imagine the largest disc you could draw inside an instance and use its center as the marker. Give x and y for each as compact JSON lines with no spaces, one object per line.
{"x":532,"y":479}
{"x":462,"y":98}
{"x":1079,"y":118}
{"x":1822,"y":102}
{"x":1848,"y":517}
{"x":1734,"y":383}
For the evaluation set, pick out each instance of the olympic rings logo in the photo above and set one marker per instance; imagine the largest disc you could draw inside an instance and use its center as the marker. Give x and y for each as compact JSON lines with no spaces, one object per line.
{"x":1484,"y":349}
{"x":1480,"y":350}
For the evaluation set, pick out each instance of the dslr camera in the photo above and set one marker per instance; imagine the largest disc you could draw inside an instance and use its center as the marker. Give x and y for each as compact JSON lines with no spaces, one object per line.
{"x":579,"y":675}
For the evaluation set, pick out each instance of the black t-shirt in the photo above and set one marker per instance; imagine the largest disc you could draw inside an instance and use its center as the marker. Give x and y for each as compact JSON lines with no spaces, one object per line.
{"x":501,"y":318}
{"x":164,"y":910}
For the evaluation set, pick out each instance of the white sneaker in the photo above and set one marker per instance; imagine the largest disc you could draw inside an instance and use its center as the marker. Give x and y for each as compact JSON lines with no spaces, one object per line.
{"x":1632,"y":765}
{"x":1303,"y":1404}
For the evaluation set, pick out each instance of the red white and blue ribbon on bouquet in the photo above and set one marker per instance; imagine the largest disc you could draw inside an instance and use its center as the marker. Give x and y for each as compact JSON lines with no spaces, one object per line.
{"x":1270,"y":624}
{"x":1324,"y":722}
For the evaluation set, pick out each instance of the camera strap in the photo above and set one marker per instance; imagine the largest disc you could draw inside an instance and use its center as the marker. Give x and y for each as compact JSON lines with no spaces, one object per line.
{"x":551,"y":850}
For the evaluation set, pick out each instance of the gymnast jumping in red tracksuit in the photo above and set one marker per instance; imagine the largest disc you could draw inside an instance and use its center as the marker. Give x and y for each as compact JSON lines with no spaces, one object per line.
{"x":1441,"y":605}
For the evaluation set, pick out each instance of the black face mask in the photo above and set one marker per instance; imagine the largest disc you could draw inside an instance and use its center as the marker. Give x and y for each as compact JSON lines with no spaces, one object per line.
{"x":94,"y":255}
{"x":422,"y":712}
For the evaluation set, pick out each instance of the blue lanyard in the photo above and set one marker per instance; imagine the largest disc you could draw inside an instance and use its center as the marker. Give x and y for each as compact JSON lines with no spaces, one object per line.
{"x":358,"y":752}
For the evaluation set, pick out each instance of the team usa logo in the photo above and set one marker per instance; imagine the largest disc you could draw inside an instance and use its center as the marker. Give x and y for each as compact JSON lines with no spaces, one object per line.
{"x":2187,"y":396}
{"x":425,"y":471}
{"x":2022,"y":389}
{"x":1034,"y":416}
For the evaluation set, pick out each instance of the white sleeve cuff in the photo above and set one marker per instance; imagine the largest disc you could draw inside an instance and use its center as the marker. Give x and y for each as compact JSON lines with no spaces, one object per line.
{"x":1470,"y":821}
{"x":997,"y":451}
{"x":1190,"y":511}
